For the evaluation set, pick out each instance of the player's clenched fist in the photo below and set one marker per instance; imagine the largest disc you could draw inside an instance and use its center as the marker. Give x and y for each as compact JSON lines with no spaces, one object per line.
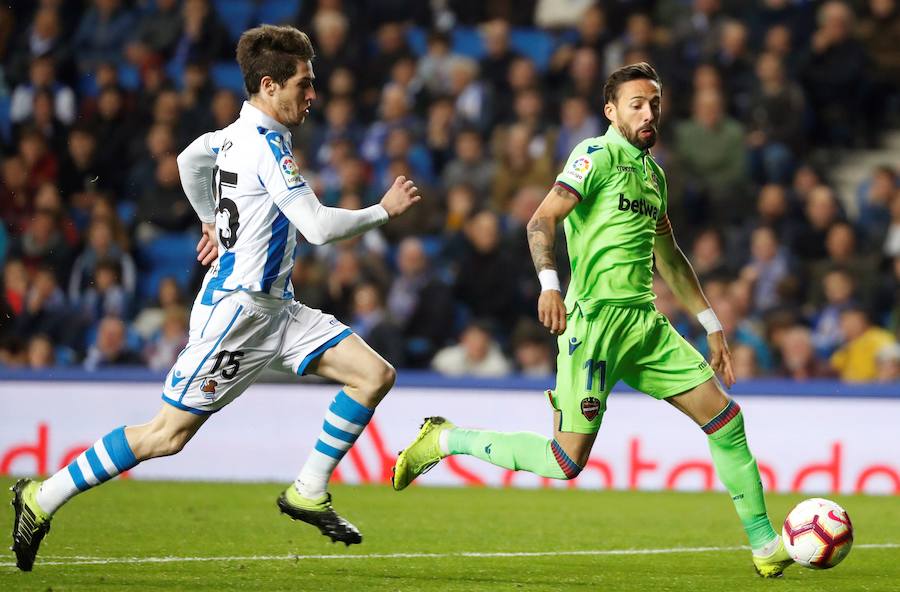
{"x":552,"y":311}
{"x":401,"y":195}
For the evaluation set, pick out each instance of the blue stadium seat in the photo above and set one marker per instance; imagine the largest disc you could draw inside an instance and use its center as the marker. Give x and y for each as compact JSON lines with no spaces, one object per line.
{"x":417,"y":39}
{"x":228,"y":75}
{"x":535,"y":44}
{"x":129,"y":77}
{"x":236,"y":15}
{"x":170,"y":254}
{"x":467,"y":41}
{"x":277,"y":12}
{"x":5,"y":123}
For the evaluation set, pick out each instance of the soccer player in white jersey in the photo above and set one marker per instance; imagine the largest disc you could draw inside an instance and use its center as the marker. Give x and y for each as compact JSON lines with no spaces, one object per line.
{"x":251,"y":199}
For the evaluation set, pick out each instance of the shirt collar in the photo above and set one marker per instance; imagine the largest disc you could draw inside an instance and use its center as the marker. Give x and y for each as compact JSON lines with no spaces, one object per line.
{"x":257,"y":117}
{"x":612,"y":135}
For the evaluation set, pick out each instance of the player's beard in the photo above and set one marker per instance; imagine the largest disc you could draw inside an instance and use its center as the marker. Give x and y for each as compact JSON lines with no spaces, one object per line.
{"x":634,"y":136}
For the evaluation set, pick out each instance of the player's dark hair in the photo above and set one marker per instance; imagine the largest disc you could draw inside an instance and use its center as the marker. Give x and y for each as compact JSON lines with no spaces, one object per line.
{"x":639,"y":71}
{"x":273,"y":51}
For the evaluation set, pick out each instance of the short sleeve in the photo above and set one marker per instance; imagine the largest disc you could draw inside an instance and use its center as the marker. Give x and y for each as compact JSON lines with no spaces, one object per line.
{"x":278,"y":170}
{"x":584,"y":170}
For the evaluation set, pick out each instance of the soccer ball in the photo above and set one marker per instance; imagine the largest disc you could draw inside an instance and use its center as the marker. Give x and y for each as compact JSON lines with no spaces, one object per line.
{"x":818,"y":533}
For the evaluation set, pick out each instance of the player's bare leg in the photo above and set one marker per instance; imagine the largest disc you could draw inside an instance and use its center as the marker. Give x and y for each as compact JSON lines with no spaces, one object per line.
{"x":723,"y":422}
{"x":367,"y":378}
{"x":35,"y":502}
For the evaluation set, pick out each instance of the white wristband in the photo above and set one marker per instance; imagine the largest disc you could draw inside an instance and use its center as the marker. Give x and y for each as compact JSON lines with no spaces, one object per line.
{"x":710,"y":321}
{"x":549,"y":280}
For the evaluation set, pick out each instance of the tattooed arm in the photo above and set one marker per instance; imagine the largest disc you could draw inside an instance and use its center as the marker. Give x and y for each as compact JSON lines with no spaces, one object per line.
{"x":541,"y":240}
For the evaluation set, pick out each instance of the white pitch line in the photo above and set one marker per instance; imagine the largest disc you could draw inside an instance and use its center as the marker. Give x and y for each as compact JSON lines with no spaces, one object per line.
{"x":83,"y":560}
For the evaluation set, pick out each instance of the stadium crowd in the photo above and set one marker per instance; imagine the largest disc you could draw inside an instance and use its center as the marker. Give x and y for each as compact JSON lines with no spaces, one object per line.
{"x":480,"y":102}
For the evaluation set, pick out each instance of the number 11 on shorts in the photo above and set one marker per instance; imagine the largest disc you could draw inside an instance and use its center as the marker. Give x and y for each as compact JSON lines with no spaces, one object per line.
{"x":592,"y":367}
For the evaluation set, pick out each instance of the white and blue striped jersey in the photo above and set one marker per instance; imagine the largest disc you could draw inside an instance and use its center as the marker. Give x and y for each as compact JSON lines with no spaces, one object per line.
{"x":254,"y":176}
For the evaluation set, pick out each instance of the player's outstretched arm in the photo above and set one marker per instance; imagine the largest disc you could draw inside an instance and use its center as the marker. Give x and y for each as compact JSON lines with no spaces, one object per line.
{"x":678,"y":273}
{"x":541,"y":241}
{"x":320,"y":224}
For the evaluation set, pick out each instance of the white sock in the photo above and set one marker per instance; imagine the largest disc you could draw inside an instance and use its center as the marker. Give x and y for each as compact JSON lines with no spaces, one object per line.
{"x":444,"y":442}
{"x":344,"y":422}
{"x":56,"y":491}
{"x":768,"y":548}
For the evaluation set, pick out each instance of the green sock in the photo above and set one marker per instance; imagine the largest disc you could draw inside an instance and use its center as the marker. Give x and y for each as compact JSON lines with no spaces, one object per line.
{"x":737,"y":469}
{"x":519,"y":451}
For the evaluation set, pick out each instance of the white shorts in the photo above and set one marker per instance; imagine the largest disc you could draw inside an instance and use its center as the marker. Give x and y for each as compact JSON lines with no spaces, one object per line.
{"x":231,"y":342}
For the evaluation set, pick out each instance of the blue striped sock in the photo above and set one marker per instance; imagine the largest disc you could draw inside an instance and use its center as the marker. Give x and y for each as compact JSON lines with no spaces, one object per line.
{"x":344,"y":422}
{"x":108,"y":457}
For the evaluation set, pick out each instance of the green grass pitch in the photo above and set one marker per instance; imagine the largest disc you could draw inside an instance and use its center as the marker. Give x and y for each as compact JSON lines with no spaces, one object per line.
{"x":132,"y":535}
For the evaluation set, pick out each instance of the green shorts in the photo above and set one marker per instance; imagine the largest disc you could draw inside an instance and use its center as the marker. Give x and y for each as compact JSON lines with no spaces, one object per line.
{"x":636,"y":344}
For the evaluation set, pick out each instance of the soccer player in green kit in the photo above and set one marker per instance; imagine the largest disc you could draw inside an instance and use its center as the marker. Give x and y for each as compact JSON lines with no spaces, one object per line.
{"x":612,"y":199}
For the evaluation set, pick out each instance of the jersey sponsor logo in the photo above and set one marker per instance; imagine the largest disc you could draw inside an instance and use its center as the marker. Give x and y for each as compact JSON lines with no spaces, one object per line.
{"x":625,"y":169}
{"x":638,"y":206}
{"x":590,"y":407}
{"x":290,"y":171}
{"x":579,"y":168}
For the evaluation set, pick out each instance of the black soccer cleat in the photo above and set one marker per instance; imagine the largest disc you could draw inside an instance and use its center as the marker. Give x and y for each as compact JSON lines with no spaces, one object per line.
{"x":30,"y":525}
{"x":320,"y":514}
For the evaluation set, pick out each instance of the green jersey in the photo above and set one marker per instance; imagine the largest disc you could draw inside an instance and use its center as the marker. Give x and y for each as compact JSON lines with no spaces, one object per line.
{"x":610,"y":233}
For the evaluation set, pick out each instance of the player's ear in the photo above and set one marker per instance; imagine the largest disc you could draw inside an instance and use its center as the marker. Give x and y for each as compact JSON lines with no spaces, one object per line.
{"x":610,"y":111}
{"x":267,"y":85}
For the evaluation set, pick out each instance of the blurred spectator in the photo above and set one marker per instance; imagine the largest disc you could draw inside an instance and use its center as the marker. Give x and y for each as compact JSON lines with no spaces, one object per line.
{"x":102,"y":33}
{"x":798,"y":356}
{"x":42,"y":76}
{"x":638,"y":35}
{"x":111,"y":347}
{"x":834,"y":75}
{"x":767,"y":269}
{"x":394,"y":112}
{"x":735,"y":64}
{"x":162,"y":206}
{"x":838,"y":287}
{"x":744,"y":363}
{"x":879,"y":32}
{"x":334,"y":47}
{"x":873,"y":200}
{"x":433,"y":69}
{"x":419,"y":302}
{"x":151,"y":318}
{"x":667,"y":304}
{"x":42,"y":244}
{"x":105,"y":296}
{"x":44,"y":307}
{"x":577,"y":123}
{"x":517,"y":167}
{"x":163,"y":347}
{"x":856,"y":360}
{"x":40,"y":353}
{"x":390,"y":46}
{"x":371,"y":322}
{"x":822,"y":211}
{"x":111,"y":122}
{"x":887,"y":303}
{"x":840,"y":246}
{"x":708,"y":254}
{"x":472,"y":98}
{"x":158,"y":30}
{"x":696,"y":33}
{"x":40,"y":162}
{"x":469,"y":165}
{"x":15,"y":196}
{"x":775,"y":113}
{"x":476,"y":354}
{"x":738,"y":332}
{"x":892,"y":240}
{"x":79,"y":169}
{"x":498,"y":56}
{"x":15,"y":285}
{"x":710,"y":152}
{"x":484,"y":282}
{"x":203,"y":36}
{"x":887,"y":362}
{"x":531,"y":347}
{"x":100,"y":247}
{"x":45,"y":38}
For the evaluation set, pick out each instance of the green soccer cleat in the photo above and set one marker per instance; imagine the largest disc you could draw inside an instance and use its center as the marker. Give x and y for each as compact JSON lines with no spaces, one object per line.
{"x":31,"y":523}
{"x":420,"y":456}
{"x":320,"y":514}
{"x":773,"y":566}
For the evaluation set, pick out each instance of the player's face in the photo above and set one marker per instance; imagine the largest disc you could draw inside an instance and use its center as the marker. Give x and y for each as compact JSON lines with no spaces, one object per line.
{"x":636,"y":112}
{"x":293,"y":99}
